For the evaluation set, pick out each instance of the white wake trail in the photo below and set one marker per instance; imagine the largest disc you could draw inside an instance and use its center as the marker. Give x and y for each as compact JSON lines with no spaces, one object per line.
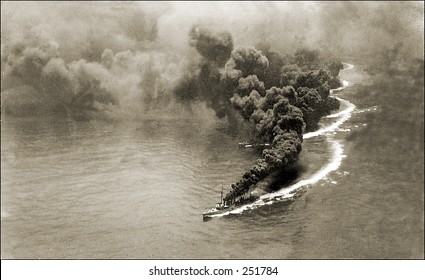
{"x":342,"y":116}
{"x":289,"y":192}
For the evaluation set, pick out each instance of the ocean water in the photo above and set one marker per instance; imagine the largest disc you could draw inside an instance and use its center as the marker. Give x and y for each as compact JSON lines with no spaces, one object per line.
{"x":72,"y":190}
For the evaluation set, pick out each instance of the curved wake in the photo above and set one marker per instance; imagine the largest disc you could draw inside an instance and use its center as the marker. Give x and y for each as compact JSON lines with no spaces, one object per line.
{"x":342,"y":116}
{"x":335,"y":162}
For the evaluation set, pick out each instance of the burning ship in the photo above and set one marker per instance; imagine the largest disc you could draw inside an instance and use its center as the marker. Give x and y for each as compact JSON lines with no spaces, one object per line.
{"x":225,"y":205}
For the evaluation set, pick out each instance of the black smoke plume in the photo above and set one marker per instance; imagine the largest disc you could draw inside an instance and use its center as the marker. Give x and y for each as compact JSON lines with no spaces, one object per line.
{"x":298,"y":95}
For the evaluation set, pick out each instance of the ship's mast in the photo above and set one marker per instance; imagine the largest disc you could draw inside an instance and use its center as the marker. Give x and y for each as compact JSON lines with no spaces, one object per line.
{"x":221,"y":199}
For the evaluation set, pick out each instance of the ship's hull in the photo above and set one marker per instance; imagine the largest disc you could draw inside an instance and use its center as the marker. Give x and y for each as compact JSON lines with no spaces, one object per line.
{"x":215,"y":211}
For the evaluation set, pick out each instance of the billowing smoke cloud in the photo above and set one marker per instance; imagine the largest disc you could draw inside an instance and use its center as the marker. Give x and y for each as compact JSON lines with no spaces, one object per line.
{"x":280,"y":114}
{"x":203,"y":79}
{"x":276,"y":121}
{"x":277,"y":113}
{"x":81,"y":31}
{"x":84,"y":62}
{"x":33,"y":33}
{"x":213,"y":46}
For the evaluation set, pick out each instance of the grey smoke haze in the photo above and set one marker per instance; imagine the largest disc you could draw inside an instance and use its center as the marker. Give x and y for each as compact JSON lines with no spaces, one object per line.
{"x":114,"y":58}
{"x":346,"y":27}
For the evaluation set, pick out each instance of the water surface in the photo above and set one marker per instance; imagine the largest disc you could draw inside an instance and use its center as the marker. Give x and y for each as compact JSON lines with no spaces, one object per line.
{"x":138,"y":190}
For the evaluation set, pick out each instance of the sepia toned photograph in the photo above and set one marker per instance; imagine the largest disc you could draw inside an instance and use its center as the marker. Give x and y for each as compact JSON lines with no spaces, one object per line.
{"x":212,"y":130}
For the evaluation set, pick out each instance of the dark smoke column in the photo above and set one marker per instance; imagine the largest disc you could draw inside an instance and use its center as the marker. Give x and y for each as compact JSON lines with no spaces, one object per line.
{"x":272,"y":112}
{"x":229,"y":80}
{"x":202,"y":81}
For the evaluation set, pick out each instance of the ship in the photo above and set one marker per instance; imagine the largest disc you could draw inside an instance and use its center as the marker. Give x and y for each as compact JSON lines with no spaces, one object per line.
{"x":247,"y":144}
{"x":225,"y":206}
{"x":219,"y":208}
